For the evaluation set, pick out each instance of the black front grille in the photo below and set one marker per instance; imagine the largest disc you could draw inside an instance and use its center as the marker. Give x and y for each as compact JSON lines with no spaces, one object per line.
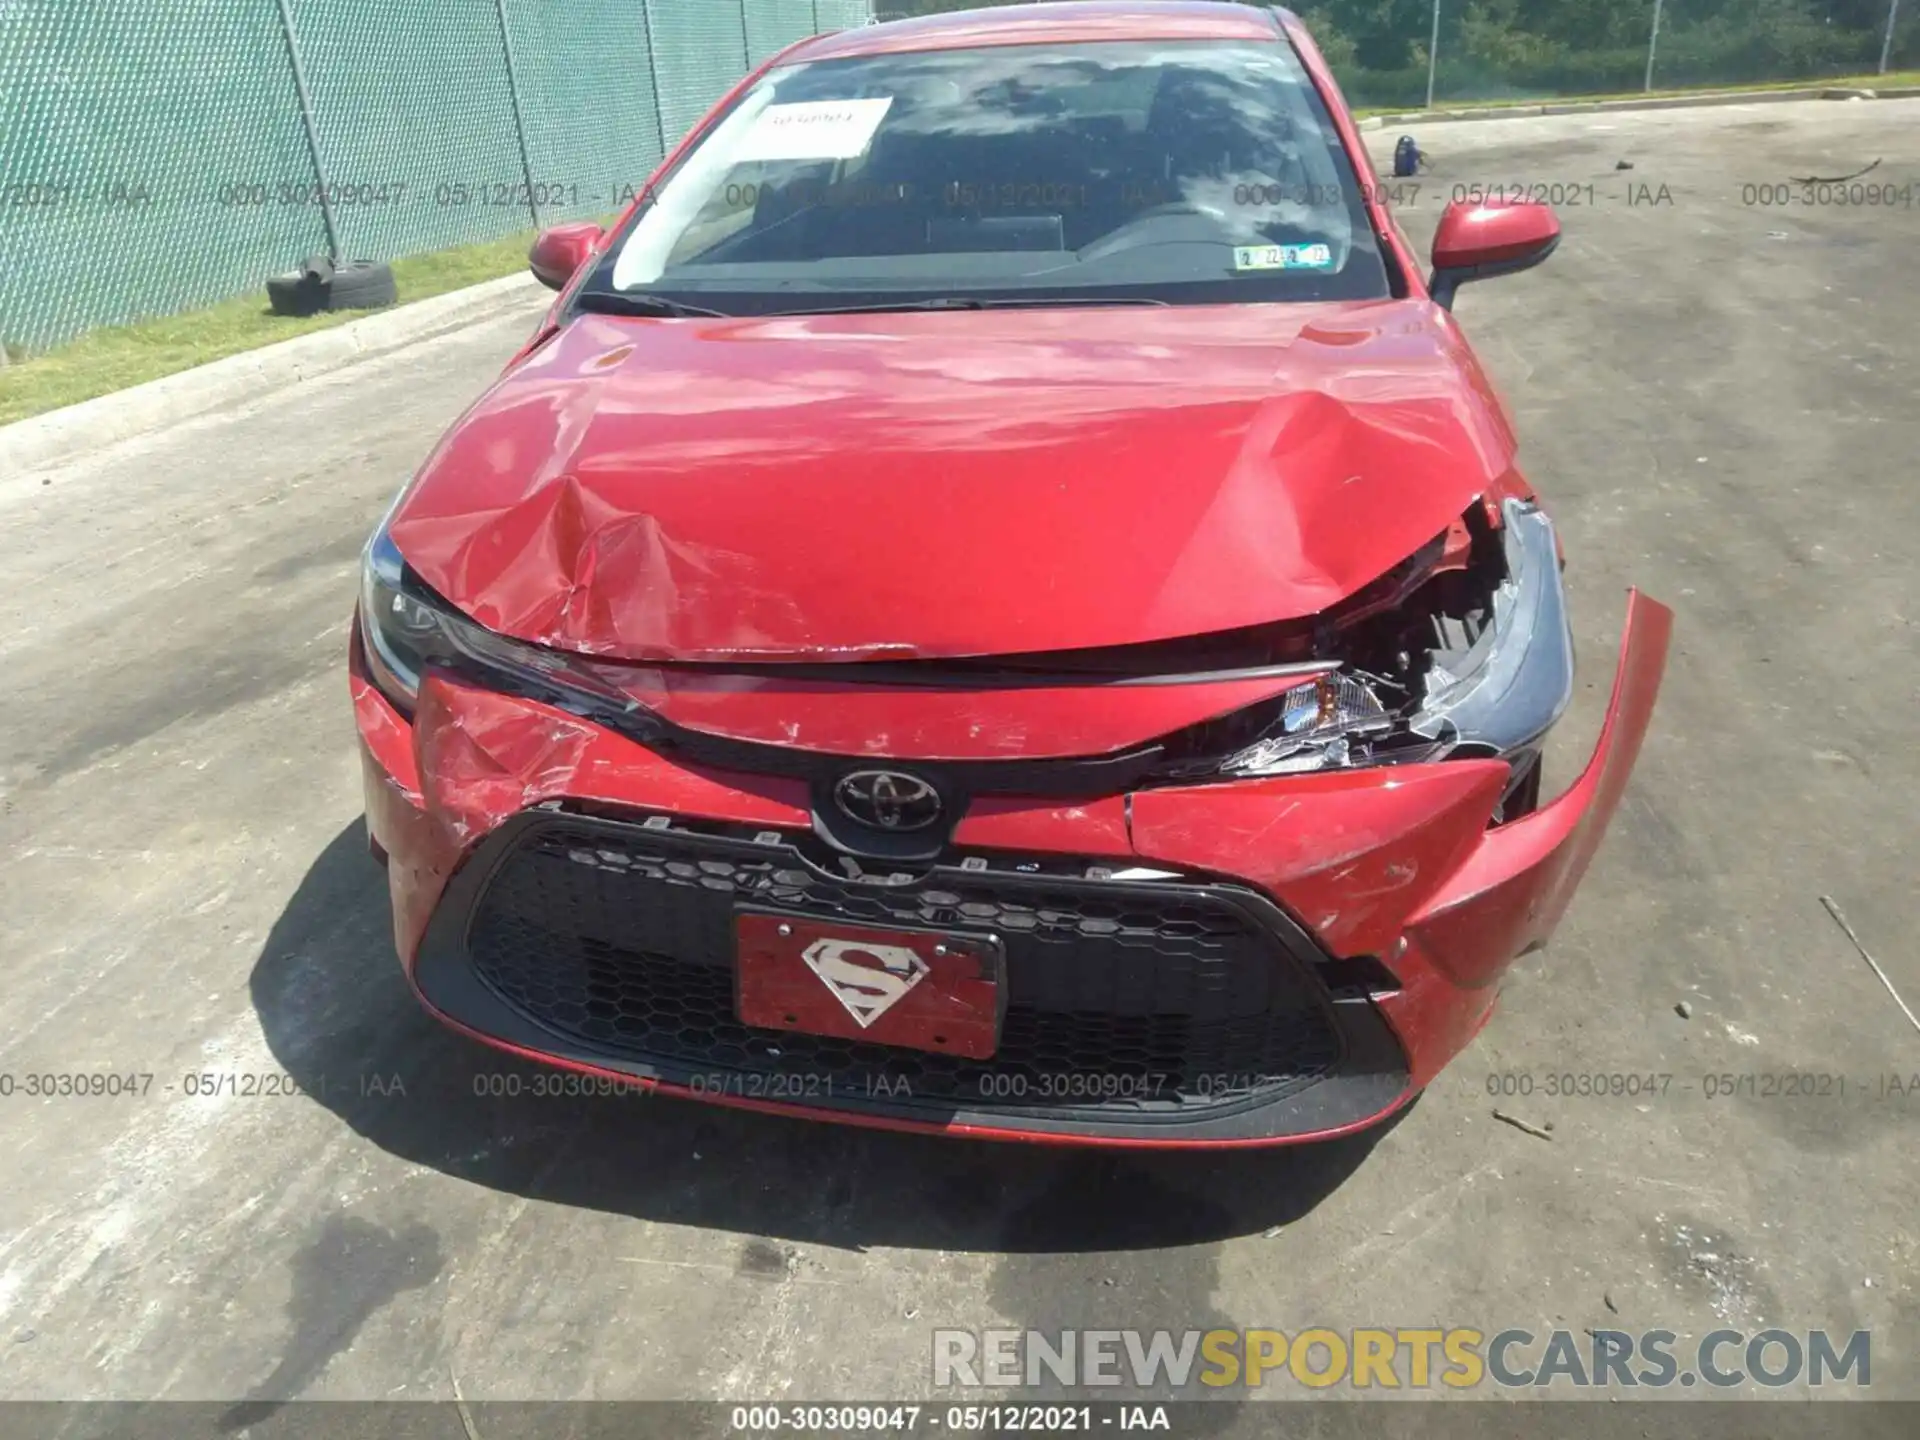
{"x":1137,"y":998}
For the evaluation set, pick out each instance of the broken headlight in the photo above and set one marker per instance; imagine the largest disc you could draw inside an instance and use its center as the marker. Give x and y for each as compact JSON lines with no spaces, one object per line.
{"x":1504,"y":691}
{"x":1319,"y":725}
{"x":1492,"y":684}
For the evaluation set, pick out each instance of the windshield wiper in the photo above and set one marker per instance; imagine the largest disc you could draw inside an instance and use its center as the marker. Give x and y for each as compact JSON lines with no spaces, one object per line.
{"x":971,"y":302}
{"x":621,"y":302}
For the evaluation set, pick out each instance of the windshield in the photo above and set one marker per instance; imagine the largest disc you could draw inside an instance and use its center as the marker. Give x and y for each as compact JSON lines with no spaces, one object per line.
{"x":1184,"y":172}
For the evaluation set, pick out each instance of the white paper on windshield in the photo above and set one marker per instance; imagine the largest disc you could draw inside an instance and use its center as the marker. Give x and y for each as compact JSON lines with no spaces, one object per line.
{"x":813,"y":130}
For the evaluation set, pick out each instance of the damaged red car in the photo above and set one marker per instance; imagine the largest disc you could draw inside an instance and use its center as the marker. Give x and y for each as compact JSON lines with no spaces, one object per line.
{"x":998,"y":601}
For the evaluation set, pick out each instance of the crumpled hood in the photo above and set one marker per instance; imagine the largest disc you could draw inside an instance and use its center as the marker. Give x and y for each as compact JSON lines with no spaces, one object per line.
{"x":950,"y":483}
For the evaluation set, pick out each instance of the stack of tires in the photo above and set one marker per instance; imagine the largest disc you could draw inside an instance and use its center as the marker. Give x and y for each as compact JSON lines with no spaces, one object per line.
{"x":321,"y":284}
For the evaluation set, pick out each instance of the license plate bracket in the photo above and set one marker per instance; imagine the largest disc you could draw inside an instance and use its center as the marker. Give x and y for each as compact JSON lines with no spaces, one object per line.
{"x":915,"y":988}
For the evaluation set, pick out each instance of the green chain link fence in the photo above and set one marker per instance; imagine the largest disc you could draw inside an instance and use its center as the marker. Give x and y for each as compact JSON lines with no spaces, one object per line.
{"x":154,"y":157}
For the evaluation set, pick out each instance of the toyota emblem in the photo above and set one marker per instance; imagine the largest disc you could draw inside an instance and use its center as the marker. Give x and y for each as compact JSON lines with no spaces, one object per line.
{"x":887,"y":800}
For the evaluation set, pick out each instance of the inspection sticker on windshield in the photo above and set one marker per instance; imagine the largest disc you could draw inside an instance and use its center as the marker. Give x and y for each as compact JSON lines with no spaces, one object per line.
{"x":814,"y":130}
{"x":1282,"y":257}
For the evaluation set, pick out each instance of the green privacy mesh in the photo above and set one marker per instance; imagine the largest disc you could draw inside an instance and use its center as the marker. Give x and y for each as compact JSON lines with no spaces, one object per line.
{"x":122,"y":129}
{"x":702,"y":46}
{"x":593,"y":131}
{"x":773,"y":24}
{"x":412,"y":109}
{"x":841,"y":14}
{"x":153,"y":158}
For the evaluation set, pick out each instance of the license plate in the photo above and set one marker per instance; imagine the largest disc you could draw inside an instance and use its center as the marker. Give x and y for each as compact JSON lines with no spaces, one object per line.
{"x":913,"y":988}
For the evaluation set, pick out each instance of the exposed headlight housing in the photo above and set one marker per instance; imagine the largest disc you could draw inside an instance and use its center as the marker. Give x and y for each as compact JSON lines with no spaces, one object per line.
{"x":1516,"y":680}
{"x":1318,"y":725}
{"x":1496,"y":696}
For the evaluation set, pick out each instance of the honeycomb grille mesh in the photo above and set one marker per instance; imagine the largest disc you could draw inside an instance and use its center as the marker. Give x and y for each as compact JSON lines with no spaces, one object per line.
{"x":1118,"y":999}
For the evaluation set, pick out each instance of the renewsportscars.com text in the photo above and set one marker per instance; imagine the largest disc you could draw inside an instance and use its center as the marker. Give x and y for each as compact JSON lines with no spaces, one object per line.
{"x":1414,"y":1358}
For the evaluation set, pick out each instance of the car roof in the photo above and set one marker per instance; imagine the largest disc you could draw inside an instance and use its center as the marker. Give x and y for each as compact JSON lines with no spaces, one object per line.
{"x":1038,"y":24}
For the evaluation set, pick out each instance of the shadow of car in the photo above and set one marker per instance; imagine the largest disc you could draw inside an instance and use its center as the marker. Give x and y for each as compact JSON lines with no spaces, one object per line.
{"x":337,"y":1015}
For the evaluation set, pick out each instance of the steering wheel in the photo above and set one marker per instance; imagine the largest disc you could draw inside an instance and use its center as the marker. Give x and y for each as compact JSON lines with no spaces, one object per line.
{"x":1175,"y":207}
{"x":1129,"y":234}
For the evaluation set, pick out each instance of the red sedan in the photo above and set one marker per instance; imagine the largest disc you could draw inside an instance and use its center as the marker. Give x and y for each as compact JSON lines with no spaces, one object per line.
{"x":998,"y":600}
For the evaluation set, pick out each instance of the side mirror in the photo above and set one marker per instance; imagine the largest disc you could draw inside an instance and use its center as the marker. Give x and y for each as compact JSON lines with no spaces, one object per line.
{"x":1478,"y":242}
{"x":561,"y":251}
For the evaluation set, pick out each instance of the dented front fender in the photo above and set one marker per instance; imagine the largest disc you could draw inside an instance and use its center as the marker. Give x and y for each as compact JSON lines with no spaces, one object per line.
{"x":1402,"y":863}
